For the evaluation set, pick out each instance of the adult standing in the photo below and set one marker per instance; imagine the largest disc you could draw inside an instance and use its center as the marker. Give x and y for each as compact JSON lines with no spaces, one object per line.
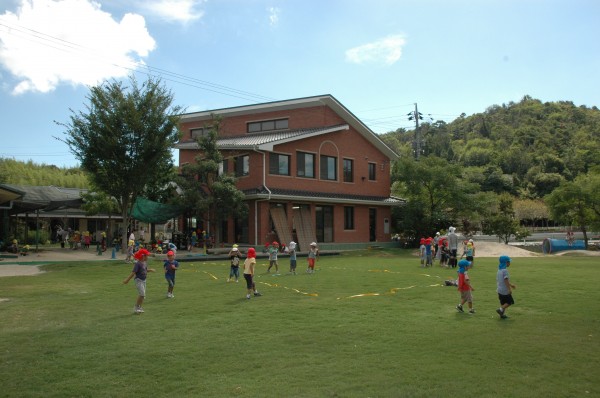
{"x":437,"y":247}
{"x":452,"y":246}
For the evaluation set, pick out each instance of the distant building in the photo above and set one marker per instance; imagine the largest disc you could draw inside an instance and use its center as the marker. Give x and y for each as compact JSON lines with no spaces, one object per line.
{"x":310,"y":171}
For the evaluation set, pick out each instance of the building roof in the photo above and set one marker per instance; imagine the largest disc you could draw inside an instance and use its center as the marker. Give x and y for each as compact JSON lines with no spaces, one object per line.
{"x":45,"y":198}
{"x":326,"y":197}
{"x":266,"y":141}
{"x":298,"y":103}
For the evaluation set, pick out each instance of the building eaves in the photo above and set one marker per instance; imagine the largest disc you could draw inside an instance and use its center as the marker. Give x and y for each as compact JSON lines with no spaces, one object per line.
{"x":266,"y":141}
{"x":326,"y":197}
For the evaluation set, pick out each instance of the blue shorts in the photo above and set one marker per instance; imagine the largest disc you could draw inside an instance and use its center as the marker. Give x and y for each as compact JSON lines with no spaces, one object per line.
{"x":293,"y":264}
{"x":170,"y":279}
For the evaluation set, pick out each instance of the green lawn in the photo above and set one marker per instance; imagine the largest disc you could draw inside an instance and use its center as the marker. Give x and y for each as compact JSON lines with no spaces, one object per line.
{"x":367,"y":324}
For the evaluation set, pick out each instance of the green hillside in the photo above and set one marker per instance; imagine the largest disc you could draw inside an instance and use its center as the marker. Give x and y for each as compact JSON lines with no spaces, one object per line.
{"x":525,"y":148}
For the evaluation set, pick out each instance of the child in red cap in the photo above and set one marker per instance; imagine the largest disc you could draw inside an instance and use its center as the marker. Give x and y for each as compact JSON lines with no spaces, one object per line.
{"x":140,"y":271}
{"x":171,"y":265}
{"x":249,"y":265}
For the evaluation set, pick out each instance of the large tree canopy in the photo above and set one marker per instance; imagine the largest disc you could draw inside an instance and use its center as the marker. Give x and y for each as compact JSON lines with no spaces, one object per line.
{"x":124,"y":138}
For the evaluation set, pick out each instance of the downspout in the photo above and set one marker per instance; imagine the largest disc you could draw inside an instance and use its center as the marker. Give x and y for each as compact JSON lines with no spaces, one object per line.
{"x":264,"y":184}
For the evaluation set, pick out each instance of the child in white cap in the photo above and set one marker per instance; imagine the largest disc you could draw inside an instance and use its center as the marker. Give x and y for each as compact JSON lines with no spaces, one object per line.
{"x":292,"y":251}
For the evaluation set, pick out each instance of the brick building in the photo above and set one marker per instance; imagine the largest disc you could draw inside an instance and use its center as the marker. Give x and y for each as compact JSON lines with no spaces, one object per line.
{"x":310,"y":171}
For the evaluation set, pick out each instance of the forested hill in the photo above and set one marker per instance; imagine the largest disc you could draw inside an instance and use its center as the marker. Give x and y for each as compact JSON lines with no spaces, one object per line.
{"x":525,"y":148}
{"x":29,"y":173}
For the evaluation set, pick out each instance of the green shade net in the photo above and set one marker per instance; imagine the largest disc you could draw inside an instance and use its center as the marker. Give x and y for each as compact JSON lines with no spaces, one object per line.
{"x":153,"y":212}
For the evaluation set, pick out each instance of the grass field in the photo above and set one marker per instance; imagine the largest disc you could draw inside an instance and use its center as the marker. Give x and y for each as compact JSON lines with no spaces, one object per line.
{"x":366,"y":324}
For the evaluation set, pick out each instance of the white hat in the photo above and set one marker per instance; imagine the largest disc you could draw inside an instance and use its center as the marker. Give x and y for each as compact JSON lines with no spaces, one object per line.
{"x":313,"y":243}
{"x":292,"y":245}
{"x":235,"y":249}
{"x":437,"y":233}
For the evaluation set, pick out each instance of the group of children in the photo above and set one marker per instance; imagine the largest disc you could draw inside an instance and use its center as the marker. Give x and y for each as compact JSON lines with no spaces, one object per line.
{"x":504,"y":287}
{"x":437,"y":248}
{"x":140,"y":269}
{"x":140,"y":272}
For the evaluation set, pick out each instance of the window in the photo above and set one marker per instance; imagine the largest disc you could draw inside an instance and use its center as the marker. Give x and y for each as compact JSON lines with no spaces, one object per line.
{"x":348,"y":217}
{"x":305,"y":165}
{"x":224,"y":167}
{"x":200,"y":132}
{"x":242,"y":165}
{"x":348,"y":170}
{"x":267,"y":125}
{"x":279,"y":164}
{"x":328,"y":168}
{"x":372,"y":171}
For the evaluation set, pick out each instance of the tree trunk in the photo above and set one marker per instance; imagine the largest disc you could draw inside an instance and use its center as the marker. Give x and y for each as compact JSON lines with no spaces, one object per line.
{"x":124,"y":237}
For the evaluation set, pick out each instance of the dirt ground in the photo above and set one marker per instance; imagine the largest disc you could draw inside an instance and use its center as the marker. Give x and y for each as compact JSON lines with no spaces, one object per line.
{"x":28,"y":265}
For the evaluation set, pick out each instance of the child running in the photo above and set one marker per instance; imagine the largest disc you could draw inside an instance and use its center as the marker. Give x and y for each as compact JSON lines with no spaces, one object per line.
{"x":171,"y":265}
{"x":504,"y":286}
{"x":249,"y":265}
{"x":140,"y":271}
{"x":464,"y":286}
{"x":234,"y":269}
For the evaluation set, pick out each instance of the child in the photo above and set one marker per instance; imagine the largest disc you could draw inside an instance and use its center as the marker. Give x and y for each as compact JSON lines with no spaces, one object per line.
{"x":464,"y":286}
{"x":249,"y":265}
{"x":445,"y":254}
{"x":140,"y":271}
{"x":428,"y":252}
{"x":313,"y":256}
{"x":422,"y":252}
{"x":171,"y":265}
{"x":234,"y":269}
{"x":504,"y":286}
{"x":129,"y":252}
{"x":273,"y":250}
{"x":292,"y":251}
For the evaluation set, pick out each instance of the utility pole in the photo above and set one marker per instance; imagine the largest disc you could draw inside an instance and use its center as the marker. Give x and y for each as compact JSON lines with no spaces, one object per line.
{"x":416,"y":115}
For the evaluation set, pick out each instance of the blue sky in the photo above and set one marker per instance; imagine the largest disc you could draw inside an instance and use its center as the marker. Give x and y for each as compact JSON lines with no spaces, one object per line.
{"x":377,"y":57}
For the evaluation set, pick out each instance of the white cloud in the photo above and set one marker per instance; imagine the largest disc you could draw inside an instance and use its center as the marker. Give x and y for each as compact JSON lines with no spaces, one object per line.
{"x":48,"y":42}
{"x":182,"y":11}
{"x":387,"y":51}
{"x":273,"y":15}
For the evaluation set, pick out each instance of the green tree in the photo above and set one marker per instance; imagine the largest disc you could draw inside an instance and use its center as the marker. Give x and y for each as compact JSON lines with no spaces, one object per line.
{"x":503,"y":223}
{"x":577,"y":202}
{"x":124,"y":138}
{"x":434,"y":188}
{"x":100,"y":203}
{"x":207,"y":190}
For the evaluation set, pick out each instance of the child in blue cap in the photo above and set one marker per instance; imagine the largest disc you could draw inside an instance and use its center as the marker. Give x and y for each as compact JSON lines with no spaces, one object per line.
{"x":464,"y":286}
{"x":504,"y":286}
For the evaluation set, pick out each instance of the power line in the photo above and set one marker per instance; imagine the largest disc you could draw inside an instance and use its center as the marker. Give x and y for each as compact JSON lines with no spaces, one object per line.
{"x":136,"y":67}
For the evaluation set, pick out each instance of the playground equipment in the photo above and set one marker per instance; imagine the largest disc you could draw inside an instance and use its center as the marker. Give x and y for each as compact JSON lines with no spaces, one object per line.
{"x":550,"y":246}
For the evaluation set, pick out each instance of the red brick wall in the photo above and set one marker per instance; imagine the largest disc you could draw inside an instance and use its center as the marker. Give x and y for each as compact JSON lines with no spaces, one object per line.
{"x":347,"y":144}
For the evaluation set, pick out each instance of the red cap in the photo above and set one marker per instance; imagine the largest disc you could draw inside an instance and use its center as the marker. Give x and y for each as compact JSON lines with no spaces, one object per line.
{"x":251,"y":253}
{"x":142,"y":252}
{"x":170,"y":253}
